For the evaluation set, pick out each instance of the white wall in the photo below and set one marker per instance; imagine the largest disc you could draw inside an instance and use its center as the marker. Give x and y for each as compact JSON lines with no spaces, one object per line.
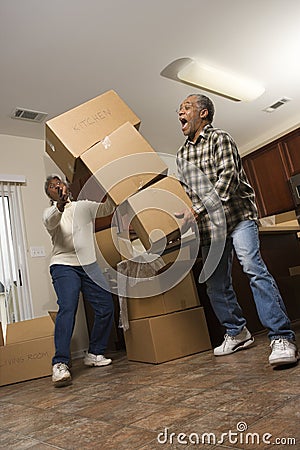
{"x":24,"y":156}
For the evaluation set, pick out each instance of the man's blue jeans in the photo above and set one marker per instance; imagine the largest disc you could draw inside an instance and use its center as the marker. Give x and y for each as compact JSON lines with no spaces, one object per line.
{"x":68,"y":281}
{"x":244,"y":240}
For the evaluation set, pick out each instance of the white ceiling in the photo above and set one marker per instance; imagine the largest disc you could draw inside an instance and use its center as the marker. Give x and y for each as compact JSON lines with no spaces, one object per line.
{"x":58,"y":54}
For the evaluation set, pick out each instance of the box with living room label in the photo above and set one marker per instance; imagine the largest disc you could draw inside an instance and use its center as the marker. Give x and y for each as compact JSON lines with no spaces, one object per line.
{"x":70,"y":134}
{"x":167,"y":337}
{"x":28,"y":351}
{"x":123,"y":163}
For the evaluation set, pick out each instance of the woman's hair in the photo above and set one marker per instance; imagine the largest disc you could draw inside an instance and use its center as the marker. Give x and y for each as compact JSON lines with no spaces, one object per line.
{"x":204,"y":102}
{"x":55,"y":177}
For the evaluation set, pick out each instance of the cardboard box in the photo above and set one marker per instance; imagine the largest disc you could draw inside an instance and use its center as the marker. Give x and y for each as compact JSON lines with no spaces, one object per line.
{"x":135,"y":251}
{"x":285,"y":218}
{"x":28,"y":351}
{"x":152,"y":211}
{"x":294,"y":271}
{"x":1,"y":336}
{"x":123,"y":163}
{"x":184,"y":249}
{"x":149,"y":281}
{"x":182,"y":296}
{"x":164,"y":338}
{"x":288,"y":219}
{"x":107,"y":247}
{"x":70,"y":134}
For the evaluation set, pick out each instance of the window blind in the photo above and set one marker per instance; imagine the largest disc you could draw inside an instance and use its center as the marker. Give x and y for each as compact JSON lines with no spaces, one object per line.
{"x":14,"y":274}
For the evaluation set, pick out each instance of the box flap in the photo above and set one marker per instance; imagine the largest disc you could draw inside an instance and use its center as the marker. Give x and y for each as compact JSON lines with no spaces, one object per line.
{"x":29,"y":329}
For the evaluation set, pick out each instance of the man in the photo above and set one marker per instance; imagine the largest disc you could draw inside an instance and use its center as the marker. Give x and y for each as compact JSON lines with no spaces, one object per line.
{"x":209,"y":167}
{"x":74,"y":269}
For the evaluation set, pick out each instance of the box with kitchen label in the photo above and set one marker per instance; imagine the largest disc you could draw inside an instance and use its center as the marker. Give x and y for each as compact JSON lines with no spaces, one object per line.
{"x":70,"y":134}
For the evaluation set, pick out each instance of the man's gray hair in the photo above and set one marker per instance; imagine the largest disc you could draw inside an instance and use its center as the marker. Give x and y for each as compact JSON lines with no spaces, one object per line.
{"x":203,"y":102}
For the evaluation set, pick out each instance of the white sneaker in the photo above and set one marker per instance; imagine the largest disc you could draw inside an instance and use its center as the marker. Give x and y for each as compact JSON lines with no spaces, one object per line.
{"x":232,"y":344}
{"x":61,"y":375}
{"x":96,"y":360}
{"x":283,"y":352}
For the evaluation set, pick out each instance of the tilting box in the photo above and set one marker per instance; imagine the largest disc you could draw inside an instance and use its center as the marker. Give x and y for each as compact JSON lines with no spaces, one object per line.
{"x":153,"y":212}
{"x":70,"y":134}
{"x":123,"y":163}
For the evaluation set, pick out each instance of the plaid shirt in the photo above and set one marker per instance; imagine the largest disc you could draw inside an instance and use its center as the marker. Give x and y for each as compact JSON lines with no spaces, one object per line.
{"x":212,"y":175}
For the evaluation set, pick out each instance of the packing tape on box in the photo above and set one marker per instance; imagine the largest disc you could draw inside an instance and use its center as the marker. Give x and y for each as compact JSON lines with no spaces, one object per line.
{"x":106,"y":142}
{"x":51,"y":145}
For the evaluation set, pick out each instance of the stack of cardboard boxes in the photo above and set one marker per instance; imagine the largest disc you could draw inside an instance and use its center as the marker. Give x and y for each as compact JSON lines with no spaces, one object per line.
{"x":101,"y":152}
{"x":165,"y":319}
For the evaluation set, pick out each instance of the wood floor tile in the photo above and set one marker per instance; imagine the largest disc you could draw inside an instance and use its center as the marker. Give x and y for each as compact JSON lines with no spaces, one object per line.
{"x":126,"y":405}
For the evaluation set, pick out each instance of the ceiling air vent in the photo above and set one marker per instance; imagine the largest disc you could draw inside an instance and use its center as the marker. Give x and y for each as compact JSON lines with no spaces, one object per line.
{"x":277,"y":104}
{"x":27,"y":114}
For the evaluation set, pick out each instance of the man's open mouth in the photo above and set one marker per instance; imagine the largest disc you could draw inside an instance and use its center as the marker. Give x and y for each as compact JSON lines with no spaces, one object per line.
{"x":184,"y":123}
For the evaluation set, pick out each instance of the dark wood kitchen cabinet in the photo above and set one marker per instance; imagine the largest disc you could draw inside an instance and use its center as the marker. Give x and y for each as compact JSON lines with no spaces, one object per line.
{"x":269,"y":169}
{"x":291,"y":150}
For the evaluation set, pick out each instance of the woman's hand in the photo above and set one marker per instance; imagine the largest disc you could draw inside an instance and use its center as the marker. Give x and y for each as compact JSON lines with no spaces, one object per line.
{"x":62,"y":196}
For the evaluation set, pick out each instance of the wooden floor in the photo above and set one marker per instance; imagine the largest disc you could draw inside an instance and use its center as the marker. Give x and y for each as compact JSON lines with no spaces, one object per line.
{"x":132,"y":405}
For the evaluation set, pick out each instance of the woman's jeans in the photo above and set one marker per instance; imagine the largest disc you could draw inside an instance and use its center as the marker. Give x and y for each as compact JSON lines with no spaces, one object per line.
{"x":68,"y":282}
{"x":244,"y":240}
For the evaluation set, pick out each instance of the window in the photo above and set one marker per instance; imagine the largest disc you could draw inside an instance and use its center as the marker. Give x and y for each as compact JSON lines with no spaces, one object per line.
{"x":15,"y":295}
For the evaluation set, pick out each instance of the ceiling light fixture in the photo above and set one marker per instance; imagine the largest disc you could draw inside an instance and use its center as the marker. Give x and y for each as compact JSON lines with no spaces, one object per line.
{"x":211,"y":79}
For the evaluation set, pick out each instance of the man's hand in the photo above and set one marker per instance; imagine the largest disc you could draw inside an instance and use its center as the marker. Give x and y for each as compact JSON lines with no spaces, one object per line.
{"x":189,"y":217}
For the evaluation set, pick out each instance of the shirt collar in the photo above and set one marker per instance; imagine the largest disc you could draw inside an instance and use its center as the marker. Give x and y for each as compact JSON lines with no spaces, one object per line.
{"x":202,"y":135}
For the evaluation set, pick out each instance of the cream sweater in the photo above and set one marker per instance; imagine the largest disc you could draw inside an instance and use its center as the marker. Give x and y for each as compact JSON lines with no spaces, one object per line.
{"x":72,"y":231}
